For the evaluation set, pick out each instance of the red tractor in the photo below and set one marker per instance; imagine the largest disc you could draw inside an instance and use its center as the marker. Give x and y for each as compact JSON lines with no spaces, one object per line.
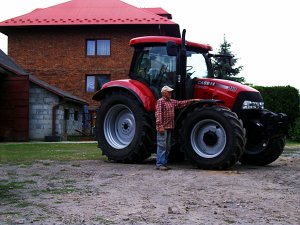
{"x":228,"y":125}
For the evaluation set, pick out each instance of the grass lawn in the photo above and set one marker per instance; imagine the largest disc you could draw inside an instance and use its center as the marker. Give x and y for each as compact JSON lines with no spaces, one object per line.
{"x":29,"y":152}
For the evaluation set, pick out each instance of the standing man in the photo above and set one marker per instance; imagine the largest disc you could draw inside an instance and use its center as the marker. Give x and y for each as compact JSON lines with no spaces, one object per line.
{"x":164,"y":113}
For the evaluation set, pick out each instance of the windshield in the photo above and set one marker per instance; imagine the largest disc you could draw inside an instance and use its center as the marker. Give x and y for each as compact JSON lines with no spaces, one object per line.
{"x":196,"y":65}
{"x":151,"y":63}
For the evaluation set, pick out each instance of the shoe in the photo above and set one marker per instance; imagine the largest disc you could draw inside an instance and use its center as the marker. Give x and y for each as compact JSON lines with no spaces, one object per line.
{"x":163,"y":168}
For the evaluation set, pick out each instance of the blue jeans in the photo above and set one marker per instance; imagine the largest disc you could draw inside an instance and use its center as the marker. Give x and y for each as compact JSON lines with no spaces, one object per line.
{"x":163,"y":148}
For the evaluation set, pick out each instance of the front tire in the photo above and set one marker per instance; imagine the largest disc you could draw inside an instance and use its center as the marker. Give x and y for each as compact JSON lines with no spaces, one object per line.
{"x":263,"y":154}
{"x":124,"y":130}
{"x":213,"y":137}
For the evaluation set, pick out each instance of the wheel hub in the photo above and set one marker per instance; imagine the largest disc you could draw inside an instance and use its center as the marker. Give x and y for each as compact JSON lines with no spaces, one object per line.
{"x":126,"y":127}
{"x":208,"y":138}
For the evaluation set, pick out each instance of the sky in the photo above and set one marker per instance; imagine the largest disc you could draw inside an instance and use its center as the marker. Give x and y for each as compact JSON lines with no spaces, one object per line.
{"x":264,"y":34}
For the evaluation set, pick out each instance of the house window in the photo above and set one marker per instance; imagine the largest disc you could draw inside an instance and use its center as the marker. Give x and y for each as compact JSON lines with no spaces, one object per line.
{"x":98,"y":47}
{"x":95,"y":82}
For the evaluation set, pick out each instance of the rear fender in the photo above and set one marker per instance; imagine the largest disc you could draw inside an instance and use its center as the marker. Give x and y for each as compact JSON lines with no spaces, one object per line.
{"x":199,"y":104}
{"x":141,"y":91}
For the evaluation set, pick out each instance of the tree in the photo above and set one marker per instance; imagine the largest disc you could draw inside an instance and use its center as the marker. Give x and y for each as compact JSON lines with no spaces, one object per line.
{"x":224,"y":66}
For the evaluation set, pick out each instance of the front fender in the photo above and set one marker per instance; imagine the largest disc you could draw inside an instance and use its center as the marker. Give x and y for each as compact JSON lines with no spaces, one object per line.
{"x":141,"y":91}
{"x":199,"y":104}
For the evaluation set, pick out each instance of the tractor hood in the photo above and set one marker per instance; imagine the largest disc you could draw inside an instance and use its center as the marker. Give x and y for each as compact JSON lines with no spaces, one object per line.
{"x":225,"y":90}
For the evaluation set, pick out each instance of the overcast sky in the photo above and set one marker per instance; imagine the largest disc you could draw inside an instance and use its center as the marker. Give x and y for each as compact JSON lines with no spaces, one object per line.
{"x":265,"y":34}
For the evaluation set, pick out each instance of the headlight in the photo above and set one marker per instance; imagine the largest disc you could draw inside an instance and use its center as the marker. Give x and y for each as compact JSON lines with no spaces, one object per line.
{"x":252,"y":105}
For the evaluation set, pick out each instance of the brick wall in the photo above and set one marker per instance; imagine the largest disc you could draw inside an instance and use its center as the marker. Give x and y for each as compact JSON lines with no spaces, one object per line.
{"x":58,"y":55}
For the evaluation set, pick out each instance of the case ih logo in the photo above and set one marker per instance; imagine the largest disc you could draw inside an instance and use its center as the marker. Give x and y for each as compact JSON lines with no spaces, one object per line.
{"x":206,"y":83}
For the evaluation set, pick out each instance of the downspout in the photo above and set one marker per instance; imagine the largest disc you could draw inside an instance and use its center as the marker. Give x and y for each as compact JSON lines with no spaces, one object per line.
{"x":55,"y":107}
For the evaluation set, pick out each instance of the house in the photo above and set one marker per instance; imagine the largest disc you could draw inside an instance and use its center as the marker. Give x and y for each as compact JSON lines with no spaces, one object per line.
{"x":78,"y":45}
{"x":31,"y":109}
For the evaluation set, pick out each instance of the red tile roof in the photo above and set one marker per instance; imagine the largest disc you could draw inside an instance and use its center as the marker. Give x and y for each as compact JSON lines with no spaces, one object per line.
{"x":88,"y":12}
{"x":159,"y":11}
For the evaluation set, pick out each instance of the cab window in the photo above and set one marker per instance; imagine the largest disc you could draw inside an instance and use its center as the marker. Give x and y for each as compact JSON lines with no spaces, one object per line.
{"x":154,"y":67}
{"x":196,"y":65}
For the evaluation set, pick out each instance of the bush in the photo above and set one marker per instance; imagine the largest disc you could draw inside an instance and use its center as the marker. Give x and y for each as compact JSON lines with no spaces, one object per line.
{"x":295,"y":131}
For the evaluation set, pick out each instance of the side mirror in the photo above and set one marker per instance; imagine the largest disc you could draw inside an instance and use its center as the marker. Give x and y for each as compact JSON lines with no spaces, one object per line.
{"x":171,"y":48}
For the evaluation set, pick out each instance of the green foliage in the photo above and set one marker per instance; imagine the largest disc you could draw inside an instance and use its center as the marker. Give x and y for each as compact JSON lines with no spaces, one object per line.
{"x":295,"y":131}
{"x":224,"y":67}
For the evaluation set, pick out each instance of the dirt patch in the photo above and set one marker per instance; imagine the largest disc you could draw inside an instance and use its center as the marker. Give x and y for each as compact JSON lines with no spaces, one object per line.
{"x":98,"y":192}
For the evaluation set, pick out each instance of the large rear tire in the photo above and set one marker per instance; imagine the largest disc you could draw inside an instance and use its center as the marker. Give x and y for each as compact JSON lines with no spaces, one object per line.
{"x":124,"y":130}
{"x":263,"y":154}
{"x":213,"y":137}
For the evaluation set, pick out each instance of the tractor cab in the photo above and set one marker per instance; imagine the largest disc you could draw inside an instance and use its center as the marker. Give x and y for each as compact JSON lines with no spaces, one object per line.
{"x":157,"y":62}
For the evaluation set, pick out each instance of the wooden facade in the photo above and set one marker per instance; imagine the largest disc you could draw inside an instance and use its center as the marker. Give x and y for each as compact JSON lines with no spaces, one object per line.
{"x":14,"y":107}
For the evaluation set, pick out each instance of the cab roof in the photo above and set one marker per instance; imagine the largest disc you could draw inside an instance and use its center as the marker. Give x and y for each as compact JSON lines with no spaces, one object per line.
{"x":164,"y":40}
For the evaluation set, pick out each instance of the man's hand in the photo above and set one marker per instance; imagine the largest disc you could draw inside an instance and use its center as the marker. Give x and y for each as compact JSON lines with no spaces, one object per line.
{"x":196,"y":100}
{"x":161,"y":130}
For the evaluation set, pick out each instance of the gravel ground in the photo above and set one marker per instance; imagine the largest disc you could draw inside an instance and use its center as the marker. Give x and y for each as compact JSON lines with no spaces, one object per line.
{"x":99,"y":192}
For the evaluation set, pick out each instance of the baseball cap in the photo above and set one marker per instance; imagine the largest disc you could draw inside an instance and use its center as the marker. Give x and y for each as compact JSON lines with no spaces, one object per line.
{"x":166,"y":88}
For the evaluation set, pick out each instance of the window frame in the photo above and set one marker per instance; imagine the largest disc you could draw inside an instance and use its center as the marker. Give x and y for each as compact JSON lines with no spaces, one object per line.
{"x":96,"y":84}
{"x":96,"y":50}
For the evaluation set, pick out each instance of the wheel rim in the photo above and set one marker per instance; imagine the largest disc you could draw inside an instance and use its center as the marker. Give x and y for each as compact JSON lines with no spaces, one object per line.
{"x":208,"y":138}
{"x":119,"y":126}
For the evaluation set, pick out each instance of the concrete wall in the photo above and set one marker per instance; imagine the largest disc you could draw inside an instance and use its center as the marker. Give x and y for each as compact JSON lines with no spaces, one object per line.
{"x":69,"y":127}
{"x":41,"y":103}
